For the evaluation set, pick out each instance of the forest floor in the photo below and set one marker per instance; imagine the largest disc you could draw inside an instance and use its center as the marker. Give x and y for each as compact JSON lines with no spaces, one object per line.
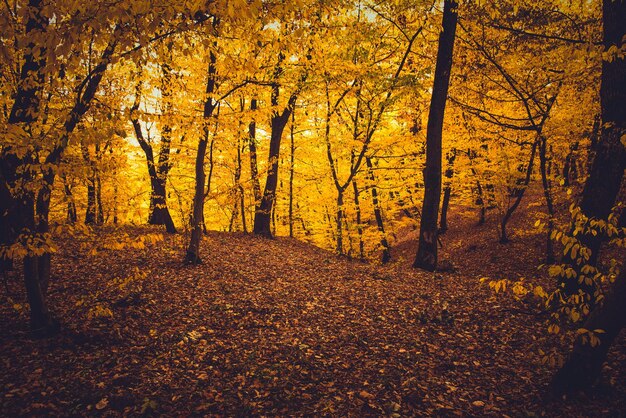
{"x":281,"y":328}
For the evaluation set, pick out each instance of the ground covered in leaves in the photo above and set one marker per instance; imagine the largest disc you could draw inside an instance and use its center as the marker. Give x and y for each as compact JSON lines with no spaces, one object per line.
{"x":281,"y":328}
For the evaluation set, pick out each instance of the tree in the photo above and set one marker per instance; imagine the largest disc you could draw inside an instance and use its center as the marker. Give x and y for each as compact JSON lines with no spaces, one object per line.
{"x":157,"y":170}
{"x":57,"y":70}
{"x":443,"y":222}
{"x":210,"y":104}
{"x":426,"y":257}
{"x":583,"y":367}
{"x":279,"y":120}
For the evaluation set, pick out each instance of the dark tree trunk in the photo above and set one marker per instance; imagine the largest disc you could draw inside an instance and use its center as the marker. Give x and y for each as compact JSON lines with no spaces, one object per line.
{"x":240,"y":203}
{"x":443,"y":221}
{"x":570,"y":166}
{"x":115,"y":199}
{"x":359,"y":222}
{"x":607,"y":170}
{"x":504,"y":238}
{"x":339,"y":222}
{"x":20,"y":210}
{"x":100,"y":211}
{"x":547,"y":193}
{"x":426,"y":257}
{"x":254,"y":170}
{"x":593,"y":141}
{"x":584,"y":365}
{"x":90,"y":213}
{"x":378,"y":214}
{"x":582,"y":369}
{"x":193,"y":250}
{"x":25,"y":110}
{"x":209,"y":177}
{"x":480,"y":196}
{"x":159,"y":213}
{"x":264,"y":209}
{"x":263,"y":212}
{"x":72,"y":215}
{"x":292,"y":151}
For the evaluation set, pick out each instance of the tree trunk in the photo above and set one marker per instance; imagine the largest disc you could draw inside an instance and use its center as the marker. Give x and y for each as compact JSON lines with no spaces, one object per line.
{"x":254,"y":170}
{"x":159,"y":213}
{"x":359,"y":224}
{"x":607,"y":170}
{"x":570,"y":165}
{"x":292,"y":151}
{"x":386,"y":254}
{"x":72,"y":215}
{"x":19,"y":210}
{"x":90,"y":212}
{"x":241,"y":204}
{"x":99,"y":212}
{"x":584,"y":365}
{"x":582,"y":369}
{"x":209,"y":177}
{"x":480,"y":196}
{"x":264,"y":209}
{"x":593,"y":141}
{"x":520,"y":195}
{"x":443,"y":221}
{"x":193,"y":250}
{"x":263,"y":212}
{"x":547,"y":193}
{"x":426,"y":257}
{"x":339,"y":219}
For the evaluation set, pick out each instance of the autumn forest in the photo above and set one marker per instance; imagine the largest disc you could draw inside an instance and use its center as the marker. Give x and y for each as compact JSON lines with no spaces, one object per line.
{"x":313,"y":208}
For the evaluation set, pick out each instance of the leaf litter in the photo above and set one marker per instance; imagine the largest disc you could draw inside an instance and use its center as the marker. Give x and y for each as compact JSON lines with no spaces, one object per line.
{"x":282,"y":328}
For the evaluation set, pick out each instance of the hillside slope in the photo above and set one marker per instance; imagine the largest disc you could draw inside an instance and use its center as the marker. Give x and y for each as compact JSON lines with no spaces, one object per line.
{"x":283,"y":328}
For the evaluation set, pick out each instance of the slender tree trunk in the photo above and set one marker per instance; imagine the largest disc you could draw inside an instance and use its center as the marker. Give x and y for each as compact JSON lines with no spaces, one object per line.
{"x":262,"y":217}
{"x":426,"y":257}
{"x":193,"y":250}
{"x":443,"y":221}
{"x":254,"y":171}
{"x":547,"y":193}
{"x":72,"y":215}
{"x":100,"y":211}
{"x":20,"y":210}
{"x":240,"y":191}
{"x":359,"y":223}
{"x":520,"y":195}
{"x":115,"y":200}
{"x":339,"y":219}
{"x":480,"y":197}
{"x":236,"y":187}
{"x":331,"y":225}
{"x":209,"y":177}
{"x":263,"y":212}
{"x":90,"y":212}
{"x":378,"y":215}
{"x":159,"y":213}
{"x":292,"y":151}
{"x":570,"y":166}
